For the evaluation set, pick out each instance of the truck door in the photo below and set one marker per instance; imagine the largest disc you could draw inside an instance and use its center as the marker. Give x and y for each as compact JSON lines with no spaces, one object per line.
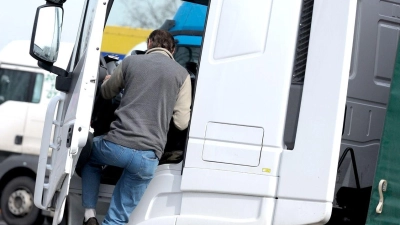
{"x":384,"y":207}
{"x":74,"y":107}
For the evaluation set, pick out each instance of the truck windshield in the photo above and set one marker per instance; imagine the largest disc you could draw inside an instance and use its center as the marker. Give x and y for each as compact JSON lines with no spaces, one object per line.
{"x":144,"y":14}
{"x":18,"y":85}
{"x":131,"y":21}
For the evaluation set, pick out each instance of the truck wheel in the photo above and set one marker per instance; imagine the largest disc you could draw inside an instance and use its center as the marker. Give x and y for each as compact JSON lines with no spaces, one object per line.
{"x":17,"y":205}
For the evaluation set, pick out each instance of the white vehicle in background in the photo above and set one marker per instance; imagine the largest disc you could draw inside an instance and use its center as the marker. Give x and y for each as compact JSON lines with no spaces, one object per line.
{"x":25,"y":91}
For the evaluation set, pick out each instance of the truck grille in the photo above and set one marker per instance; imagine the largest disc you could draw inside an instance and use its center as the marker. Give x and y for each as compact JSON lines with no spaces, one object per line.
{"x":300,"y":63}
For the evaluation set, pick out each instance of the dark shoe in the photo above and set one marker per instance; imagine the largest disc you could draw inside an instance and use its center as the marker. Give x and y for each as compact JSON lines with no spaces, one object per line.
{"x":91,"y":221}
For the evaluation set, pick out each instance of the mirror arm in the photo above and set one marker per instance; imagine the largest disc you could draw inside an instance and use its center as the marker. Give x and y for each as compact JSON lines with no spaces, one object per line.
{"x":53,"y":69}
{"x":63,"y":80}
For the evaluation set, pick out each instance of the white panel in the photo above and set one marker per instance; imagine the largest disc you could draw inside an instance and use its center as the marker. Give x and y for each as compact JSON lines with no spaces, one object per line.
{"x":217,"y":209}
{"x":268,"y":164}
{"x":243,"y":28}
{"x":165,"y":204}
{"x":217,"y":206}
{"x":231,"y":153}
{"x":170,"y":220}
{"x":234,"y":133}
{"x":309,"y":171}
{"x":250,"y":89}
{"x":162,"y":198}
{"x":204,"y":180}
{"x":234,"y":144}
{"x":301,"y":212}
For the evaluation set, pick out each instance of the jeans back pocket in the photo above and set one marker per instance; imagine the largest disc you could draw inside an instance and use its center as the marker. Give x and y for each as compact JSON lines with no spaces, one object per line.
{"x":149,"y":165}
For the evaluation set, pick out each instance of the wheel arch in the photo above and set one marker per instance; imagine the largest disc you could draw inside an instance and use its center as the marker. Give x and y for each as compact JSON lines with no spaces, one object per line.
{"x":17,"y":166}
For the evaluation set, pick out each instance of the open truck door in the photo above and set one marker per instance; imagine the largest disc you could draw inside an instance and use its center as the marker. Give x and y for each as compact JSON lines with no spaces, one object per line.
{"x":68,"y":115}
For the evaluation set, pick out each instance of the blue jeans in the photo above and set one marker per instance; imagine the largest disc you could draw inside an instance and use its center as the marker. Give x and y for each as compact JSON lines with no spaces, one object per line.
{"x":139,"y":167}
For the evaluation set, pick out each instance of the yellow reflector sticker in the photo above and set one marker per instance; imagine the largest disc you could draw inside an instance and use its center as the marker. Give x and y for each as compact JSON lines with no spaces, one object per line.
{"x":266,"y":170}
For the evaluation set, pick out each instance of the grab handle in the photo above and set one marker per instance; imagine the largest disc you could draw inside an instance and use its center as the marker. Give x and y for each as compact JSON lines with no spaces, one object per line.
{"x":381,"y":188}
{"x":43,"y":166}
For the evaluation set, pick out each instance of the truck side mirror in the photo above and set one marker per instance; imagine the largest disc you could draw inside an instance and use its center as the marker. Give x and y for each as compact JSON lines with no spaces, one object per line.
{"x":46,"y":34}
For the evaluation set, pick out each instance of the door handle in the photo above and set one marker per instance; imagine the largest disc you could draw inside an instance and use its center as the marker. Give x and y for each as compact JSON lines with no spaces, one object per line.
{"x":381,"y":188}
{"x":18,"y":139}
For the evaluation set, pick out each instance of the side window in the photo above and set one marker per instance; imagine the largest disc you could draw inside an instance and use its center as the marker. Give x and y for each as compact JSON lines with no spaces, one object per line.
{"x":22,"y":86}
{"x":86,"y":28}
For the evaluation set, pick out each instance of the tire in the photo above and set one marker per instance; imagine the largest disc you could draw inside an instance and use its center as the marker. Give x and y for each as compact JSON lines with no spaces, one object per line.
{"x":32,"y":215}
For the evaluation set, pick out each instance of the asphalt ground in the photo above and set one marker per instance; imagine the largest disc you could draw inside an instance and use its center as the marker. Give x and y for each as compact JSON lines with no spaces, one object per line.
{"x":1,"y":220}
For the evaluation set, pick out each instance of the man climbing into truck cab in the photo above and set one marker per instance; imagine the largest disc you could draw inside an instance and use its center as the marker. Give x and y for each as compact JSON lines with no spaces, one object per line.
{"x":156,"y":89}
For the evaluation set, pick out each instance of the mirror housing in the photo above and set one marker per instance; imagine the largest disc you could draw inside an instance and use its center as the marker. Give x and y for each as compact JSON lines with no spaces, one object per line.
{"x":46,"y":34}
{"x":45,"y":41}
{"x":57,"y":1}
{"x":201,"y":2}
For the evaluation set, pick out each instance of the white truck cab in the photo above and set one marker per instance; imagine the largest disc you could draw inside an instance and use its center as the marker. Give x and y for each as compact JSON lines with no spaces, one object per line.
{"x":25,"y":91}
{"x":277,"y":93}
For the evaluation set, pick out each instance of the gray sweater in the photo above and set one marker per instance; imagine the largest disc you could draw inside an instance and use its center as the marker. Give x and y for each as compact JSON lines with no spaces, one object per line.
{"x":156,"y":89}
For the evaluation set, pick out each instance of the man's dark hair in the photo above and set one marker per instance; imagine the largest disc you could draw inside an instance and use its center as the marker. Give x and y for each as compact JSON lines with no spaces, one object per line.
{"x":162,"y":39}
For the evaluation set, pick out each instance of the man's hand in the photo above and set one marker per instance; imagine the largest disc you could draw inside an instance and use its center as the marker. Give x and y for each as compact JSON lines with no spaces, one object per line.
{"x":106,"y":78}
{"x":112,"y":84}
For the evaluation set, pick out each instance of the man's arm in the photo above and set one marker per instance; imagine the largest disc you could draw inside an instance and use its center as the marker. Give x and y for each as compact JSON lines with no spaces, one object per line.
{"x":113,"y":84}
{"x":181,"y":114}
